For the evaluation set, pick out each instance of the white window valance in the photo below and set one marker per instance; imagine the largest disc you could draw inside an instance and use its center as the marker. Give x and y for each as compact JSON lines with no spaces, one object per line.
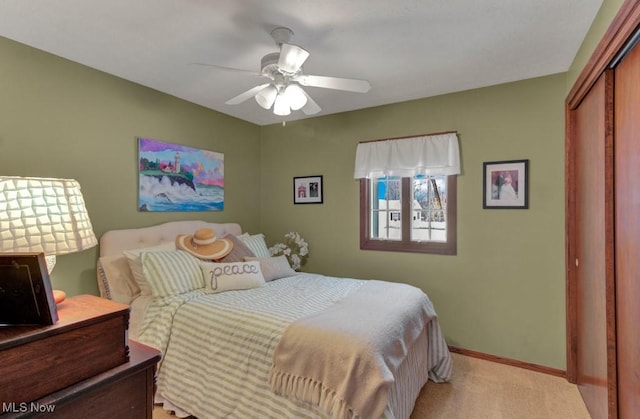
{"x":433,"y":155}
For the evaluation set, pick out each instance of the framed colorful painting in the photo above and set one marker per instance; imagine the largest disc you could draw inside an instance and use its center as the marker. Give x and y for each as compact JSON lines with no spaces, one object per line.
{"x":174,"y":177}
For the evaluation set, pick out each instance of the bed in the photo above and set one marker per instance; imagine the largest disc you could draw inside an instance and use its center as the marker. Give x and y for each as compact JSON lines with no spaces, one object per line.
{"x":301,"y":345}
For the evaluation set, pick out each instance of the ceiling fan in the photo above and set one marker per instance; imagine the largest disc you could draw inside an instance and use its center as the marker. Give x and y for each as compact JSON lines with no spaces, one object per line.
{"x":283,"y":92}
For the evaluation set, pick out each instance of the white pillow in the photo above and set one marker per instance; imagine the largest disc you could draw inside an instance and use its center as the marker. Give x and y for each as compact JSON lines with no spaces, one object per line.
{"x":116,"y":280}
{"x":135,"y":264}
{"x":256,"y":244}
{"x":220,"y":277}
{"x":171,"y":272}
{"x":274,"y":267}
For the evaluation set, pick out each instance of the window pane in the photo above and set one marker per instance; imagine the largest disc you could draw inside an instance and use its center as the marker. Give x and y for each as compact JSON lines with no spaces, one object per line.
{"x":429,"y":209}
{"x":386,"y":208}
{"x":420,"y":210}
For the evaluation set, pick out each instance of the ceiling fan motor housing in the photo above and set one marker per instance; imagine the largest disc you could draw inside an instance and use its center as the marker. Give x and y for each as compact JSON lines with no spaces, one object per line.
{"x":269,"y":68}
{"x":269,"y":63}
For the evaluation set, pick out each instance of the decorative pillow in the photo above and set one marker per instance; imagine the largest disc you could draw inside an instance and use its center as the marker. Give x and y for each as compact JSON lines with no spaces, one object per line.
{"x":239,"y":251}
{"x":116,"y":280}
{"x":274,"y":268}
{"x":257,"y":245}
{"x":220,"y":277}
{"x":135,"y":264}
{"x":171,"y":273}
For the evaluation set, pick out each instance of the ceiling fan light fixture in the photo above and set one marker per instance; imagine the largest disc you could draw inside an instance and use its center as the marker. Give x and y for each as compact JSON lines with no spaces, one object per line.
{"x":295,"y":96}
{"x":267,"y":96}
{"x":291,"y":58}
{"x":282,"y":106}
{"x":284,"y":91}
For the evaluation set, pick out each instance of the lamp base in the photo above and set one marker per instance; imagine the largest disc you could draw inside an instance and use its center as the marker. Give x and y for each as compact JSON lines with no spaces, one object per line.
{"x":59,"y":296}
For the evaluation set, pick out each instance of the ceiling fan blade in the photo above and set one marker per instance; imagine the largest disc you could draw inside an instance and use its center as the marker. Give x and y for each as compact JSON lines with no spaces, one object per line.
{"x":291,"y":58}
{"x":351,"y":85}
{"x":311,"y":107}
{"x":246,"y":95}
{"x":236,"y":70}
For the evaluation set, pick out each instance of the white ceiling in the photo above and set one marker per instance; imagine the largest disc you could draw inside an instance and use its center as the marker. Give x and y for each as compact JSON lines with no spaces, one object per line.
{"x":407,"y":49}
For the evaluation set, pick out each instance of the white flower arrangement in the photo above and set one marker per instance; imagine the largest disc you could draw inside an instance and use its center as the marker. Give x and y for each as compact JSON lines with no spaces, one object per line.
{"x":295,"y":248}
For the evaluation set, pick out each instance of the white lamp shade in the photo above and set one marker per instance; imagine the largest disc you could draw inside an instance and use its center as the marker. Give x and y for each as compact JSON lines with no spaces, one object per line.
{"x":282,"y":107}
{"x":43,"y":215}
{"x":291,"y":58}
{"x":267,"y":96}
{"x":296,"y":97}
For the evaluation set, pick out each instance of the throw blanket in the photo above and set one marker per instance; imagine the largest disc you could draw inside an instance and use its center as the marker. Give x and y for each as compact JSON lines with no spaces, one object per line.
{"x":334,"y":359}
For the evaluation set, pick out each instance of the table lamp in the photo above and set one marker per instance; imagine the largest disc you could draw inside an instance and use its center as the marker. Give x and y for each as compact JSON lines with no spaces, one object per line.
{"x":45,"y":216}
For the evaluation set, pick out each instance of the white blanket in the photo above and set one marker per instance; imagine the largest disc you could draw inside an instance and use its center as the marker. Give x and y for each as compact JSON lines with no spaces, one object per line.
{"x":344,"y":358}
{"x":218,"y":349}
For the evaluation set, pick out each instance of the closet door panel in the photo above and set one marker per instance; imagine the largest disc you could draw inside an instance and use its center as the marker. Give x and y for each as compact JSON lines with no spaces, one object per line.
{"x":627,"y":210}
{"x":593,"y":239}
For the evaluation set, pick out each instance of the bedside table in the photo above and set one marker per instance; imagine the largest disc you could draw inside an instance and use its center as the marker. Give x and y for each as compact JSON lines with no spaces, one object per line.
{"x":83,"y":364}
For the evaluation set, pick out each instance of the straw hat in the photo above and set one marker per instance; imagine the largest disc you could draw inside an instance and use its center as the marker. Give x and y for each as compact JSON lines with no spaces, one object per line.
{"x":204,"y":244}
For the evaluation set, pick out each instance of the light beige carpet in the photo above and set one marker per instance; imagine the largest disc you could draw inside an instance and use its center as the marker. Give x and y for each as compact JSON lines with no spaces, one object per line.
{"x":482,"y":389}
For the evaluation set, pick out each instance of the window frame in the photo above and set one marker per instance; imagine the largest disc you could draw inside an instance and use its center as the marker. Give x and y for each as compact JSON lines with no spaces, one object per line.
{"x":406,"y":245}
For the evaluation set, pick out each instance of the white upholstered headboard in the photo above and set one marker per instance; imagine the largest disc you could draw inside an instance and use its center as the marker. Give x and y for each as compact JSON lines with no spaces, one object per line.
{"x":113,"y":242}
{"x":115,"y":279}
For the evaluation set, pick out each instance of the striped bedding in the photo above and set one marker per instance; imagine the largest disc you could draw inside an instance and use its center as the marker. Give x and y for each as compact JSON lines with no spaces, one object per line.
{"x":218,"y":348}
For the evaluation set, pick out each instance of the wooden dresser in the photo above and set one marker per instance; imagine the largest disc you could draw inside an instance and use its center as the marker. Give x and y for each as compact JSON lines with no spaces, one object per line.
{"x":82,"y":365}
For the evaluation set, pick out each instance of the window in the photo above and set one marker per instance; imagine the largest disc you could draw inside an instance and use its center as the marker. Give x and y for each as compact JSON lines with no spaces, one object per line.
{"x":409,"y":214}
{"x":408,"y":193}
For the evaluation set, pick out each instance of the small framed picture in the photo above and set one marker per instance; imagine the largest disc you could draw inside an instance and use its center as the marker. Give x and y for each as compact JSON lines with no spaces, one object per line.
{"x":307,"y":190}
{"x":505,"y":184}
{"x":26,"y":297}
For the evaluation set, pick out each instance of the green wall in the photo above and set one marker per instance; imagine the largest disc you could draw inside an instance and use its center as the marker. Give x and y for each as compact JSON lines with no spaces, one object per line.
{"x":503,"y":293}
{"x":62,"y":119}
